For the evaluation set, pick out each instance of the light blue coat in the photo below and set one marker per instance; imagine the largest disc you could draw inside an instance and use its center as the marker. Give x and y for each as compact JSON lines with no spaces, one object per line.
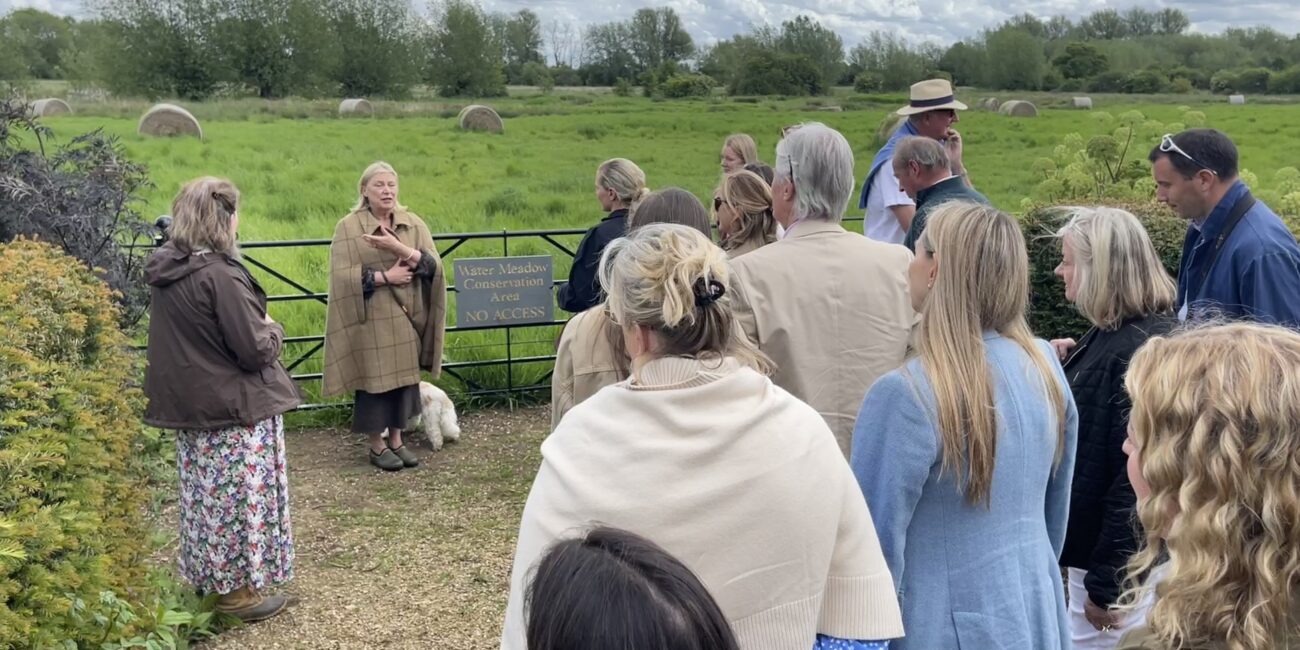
{"x":971,"y":577}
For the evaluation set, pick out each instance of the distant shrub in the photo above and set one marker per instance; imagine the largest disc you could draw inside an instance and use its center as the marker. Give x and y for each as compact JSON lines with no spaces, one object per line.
{"x":509,"y":201}
{"x":1180,"y":86}
{"x":1223,"y":82}
{"x":775,"y":73}
{"x":1253,"y":80}
{"x":1285,"y":82}
{"x":867,"y":82}
{"x":73,"y":493}
{"x":680,"y":86}
{"x":1197,"y":78}
{"x":623,"y":87}
{"x":534,"y":73}
{"x":1111,"y":81}
{"x":1144,"y":82}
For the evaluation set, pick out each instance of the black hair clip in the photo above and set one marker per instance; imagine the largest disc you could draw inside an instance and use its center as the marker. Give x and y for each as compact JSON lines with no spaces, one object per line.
{"x":707,"y":293}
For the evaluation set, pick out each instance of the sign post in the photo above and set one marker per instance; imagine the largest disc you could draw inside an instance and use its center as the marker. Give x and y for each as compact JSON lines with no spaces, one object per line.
{"x":498,"y":291}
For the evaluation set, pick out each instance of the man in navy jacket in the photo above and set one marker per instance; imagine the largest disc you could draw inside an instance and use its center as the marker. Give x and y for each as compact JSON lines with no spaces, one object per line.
{"x":1239,"y":259}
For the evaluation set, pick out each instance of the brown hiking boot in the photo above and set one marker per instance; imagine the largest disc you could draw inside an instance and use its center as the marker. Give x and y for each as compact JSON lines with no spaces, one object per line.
{"x":249,"y":606}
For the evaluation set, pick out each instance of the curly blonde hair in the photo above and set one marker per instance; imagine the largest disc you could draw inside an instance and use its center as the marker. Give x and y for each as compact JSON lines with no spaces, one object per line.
{"x":751,"y":197}
{"x":1215,"y":422}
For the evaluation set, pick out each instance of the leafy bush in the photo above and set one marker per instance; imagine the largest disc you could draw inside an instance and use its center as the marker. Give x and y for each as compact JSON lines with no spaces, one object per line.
{"x":1144,"y":82}
{"x":1111,"y":81}
{"x":1050,"y":314}
{"x":535,"y":73}
{"x":681,"y":86}
{"x":1253,"y":80}
{"x":1285,"y":82}
{"x":1110,"y":165}
{"x":623,"y":87}
{"x":868,"y":82}
{"x":1181,"y":86}
{"x":774,"y":73}
{"x":79,"y":196}
{"x":1223,"y":82}
{"x":72,"y":490}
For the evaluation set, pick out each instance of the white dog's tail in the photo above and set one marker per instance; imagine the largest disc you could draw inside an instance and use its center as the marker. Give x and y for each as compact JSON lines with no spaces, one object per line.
{"x":450,"y":428}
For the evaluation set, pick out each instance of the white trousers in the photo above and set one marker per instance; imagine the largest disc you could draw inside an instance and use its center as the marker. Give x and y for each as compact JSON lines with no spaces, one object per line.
{"x":1087,"y":637}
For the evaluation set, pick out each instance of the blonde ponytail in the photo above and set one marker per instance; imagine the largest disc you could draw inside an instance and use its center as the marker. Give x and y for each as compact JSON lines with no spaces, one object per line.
{"x":624,"y":177}
{"x":673,"y":280}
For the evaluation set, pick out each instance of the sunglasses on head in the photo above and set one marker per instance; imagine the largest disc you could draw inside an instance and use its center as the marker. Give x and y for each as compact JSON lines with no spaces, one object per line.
{"x":717,"y":203}
{"x":1167,"y":145}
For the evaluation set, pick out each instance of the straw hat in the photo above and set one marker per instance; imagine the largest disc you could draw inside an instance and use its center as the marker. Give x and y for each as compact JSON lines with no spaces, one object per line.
{"x":931,"y":95}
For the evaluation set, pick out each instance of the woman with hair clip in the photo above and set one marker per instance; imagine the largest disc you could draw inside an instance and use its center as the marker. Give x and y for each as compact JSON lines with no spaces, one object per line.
{"x":590,"y":354}
{"x":214,"y":377}
{"x":1212,"y":455}
{"x":615,"y":589}
{"x":701,"y":452}
{"x":620,"y":184}
{"x":742,"y":208}
{"x":387,"y":312}
{"x":965,"y":453}
{"x":1113,"y":275}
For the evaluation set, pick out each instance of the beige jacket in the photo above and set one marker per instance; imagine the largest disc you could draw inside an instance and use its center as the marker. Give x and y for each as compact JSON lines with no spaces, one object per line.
{"x":832,"y":309}
{"x":584,"y":362}
{"x":381,"y":343}
{"x":735,"y":478}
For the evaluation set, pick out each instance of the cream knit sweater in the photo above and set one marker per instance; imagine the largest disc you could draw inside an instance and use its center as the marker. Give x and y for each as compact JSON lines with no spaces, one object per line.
{"x":735,"y":477}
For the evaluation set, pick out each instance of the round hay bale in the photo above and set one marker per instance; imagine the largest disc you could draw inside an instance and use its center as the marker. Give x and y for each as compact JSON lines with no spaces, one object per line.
{"x":356,"y":107}
{"x":887,"y":127}
{"x":990,"y":104}
{"x":1018,"y":108}
{"x":477,"y":117}
{"x":1237,"y":100}
{"x":50,"y":107}
{"x":1083,"y":102}
{"x":169,"y":120}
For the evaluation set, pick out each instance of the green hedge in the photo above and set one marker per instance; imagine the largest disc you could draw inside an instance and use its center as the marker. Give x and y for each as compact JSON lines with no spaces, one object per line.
{"x":72,"y":497}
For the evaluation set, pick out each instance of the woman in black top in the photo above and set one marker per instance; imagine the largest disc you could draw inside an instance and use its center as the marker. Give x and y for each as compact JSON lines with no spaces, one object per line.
{"x":1114,"y":277}
{"x":619,"y":184}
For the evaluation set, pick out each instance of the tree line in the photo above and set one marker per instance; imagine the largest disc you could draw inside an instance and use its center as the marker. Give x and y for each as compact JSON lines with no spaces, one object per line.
{"x":195,"y":49}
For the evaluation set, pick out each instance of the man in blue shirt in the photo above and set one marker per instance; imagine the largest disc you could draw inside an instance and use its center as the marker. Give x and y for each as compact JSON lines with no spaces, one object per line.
{"x":1239,"y":260}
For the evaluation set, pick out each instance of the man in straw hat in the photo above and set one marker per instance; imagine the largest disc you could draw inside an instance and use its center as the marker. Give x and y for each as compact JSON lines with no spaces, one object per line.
{"x":931,"y":113}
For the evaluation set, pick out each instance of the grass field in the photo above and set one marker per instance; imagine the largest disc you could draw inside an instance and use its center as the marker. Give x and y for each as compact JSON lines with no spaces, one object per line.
{"x":297,"y":164}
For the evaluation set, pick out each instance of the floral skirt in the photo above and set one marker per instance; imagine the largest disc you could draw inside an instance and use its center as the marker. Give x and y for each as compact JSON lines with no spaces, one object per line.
{"x":234,"y":510}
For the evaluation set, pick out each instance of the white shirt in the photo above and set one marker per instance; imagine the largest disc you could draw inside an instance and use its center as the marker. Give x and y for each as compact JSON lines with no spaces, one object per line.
{"x":881,"y":224}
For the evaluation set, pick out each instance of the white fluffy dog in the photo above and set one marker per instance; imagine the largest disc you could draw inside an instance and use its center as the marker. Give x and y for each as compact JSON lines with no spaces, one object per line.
{"x":437,"y":418}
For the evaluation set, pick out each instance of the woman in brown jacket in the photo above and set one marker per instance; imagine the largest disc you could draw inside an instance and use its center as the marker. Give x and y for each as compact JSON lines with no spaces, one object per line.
{"x":214,"y":376}
{"x":387,"y":311}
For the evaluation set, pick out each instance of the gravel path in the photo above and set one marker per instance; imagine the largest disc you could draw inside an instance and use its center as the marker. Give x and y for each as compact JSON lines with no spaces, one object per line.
{"x":414,"y":559}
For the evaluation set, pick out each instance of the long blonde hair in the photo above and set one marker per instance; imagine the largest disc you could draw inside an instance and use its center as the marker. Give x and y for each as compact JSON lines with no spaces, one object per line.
{"x":673,"y":280}
{"x":375,"y":169}
{"x":743,"y":145}
{"x":1118,"y":274}
{"x":751,"y":197}
{"x":201,"y":216}
{"x":982,"y":284}
{"x":625,"y":178}
{"x":1215,"y":420}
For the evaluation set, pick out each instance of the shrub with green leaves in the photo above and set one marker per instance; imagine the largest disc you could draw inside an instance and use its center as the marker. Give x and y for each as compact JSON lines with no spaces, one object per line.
{"x":72,"y":492}
{"x":681,"y":85}
{"x":1110,"y":164}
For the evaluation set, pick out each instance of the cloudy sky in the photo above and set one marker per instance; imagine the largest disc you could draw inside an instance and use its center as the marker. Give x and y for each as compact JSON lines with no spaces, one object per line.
{"x":939,"y":20}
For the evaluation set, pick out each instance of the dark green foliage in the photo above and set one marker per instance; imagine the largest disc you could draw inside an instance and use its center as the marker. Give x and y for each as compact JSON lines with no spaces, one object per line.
{"x":868,"y":82}
{"x":680,"y":86}
{"x":1285,"y":81}
{"x":1108,"y":82}
{"x":466,"y":58}
{"x":1145,"y":82}
{"x":1080,"y":61}
{"x":774,"y":73}
{"x":1253,"y":80}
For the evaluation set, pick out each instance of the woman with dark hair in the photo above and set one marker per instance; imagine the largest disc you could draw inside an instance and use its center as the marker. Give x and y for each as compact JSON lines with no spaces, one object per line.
{"x":616,"y":589}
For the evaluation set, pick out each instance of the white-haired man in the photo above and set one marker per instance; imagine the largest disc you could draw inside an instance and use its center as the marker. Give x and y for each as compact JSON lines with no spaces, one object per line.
{"x":931,"y":112}
{"x":830,"y":307}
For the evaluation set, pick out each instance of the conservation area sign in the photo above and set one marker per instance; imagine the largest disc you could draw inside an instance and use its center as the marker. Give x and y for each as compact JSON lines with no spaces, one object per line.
{"x":496,"y":291}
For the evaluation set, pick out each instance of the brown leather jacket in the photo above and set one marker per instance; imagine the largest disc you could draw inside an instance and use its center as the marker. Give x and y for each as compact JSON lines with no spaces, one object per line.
{"x":214,"y":360}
